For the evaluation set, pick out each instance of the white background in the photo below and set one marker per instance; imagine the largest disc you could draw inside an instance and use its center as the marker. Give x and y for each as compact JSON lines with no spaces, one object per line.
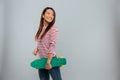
{"x":88,"y":37}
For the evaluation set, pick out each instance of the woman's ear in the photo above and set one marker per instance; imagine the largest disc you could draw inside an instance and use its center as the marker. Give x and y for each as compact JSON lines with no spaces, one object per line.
{"x":43,"y":16}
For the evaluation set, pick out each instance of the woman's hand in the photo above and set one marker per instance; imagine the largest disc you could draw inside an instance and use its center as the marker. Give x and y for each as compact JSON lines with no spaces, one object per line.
{"x":48,"y":65}
{"x":35,"y":51}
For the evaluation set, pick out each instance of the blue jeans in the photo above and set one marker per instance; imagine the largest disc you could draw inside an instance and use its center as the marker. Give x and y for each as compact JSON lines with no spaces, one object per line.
{"x":54,"y":72}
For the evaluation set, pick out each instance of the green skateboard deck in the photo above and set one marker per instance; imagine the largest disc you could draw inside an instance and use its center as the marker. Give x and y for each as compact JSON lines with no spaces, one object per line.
{"x":55,"y":62}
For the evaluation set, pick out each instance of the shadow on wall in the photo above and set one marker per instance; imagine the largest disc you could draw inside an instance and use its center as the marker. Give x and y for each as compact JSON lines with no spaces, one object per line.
{"x":117,"y":30}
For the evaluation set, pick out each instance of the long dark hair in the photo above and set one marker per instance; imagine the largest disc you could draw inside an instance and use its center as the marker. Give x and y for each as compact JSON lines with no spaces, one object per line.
{"x":41,"y":24}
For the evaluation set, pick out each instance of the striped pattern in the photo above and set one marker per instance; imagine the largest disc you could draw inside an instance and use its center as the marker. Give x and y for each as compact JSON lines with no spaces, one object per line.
{"x":48,"y":42}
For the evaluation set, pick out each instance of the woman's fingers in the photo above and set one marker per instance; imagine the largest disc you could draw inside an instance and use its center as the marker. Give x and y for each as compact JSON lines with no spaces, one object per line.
{"x":35,"y":51}
{"x":48,"y":66}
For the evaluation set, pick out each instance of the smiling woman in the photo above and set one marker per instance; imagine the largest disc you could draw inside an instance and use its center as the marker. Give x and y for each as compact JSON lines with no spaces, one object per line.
{"x":46,"y":42}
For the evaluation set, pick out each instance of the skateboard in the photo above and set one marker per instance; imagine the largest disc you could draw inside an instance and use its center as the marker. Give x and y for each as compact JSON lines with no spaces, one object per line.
{"x":41,"y":63}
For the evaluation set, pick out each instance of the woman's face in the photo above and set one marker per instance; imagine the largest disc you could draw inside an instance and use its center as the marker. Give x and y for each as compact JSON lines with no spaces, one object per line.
{"x":48,"y":16}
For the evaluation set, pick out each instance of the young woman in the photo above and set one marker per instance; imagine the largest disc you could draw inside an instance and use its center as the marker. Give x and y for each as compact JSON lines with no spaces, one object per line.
{"x":46,"y":40}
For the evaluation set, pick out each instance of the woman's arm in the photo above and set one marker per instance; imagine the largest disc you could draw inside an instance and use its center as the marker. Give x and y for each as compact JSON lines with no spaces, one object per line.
{"x":48,"y":64}
{"x":51,"y":51}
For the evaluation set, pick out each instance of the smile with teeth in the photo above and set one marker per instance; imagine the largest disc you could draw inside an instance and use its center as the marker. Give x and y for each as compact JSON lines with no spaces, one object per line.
{"x":49,"y":18}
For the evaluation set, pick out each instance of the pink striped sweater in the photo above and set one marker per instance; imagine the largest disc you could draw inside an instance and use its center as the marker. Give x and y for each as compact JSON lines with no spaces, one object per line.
{"x":48,"y":42}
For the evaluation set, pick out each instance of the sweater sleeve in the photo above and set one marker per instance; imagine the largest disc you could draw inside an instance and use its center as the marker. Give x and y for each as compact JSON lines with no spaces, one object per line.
{"x":53,"y":38}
